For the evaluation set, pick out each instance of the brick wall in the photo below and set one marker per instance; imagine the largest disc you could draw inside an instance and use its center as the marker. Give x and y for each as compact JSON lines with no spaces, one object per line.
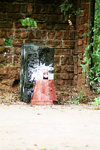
{"x":53,"y":30}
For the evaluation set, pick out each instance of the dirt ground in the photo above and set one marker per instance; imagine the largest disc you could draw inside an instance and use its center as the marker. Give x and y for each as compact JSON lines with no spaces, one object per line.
{"x":56,"y":127}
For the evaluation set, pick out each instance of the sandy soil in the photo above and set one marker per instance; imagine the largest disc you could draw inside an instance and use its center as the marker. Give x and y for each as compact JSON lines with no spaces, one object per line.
{"x":57,"y":127}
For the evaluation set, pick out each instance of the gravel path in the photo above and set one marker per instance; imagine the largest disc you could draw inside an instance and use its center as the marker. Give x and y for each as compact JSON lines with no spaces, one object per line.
{"x":25,"y":127}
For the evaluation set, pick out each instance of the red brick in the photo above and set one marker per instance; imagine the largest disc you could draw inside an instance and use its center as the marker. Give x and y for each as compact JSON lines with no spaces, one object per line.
{"x":65,"y":35}
{"x":16,"y":59}
{"x":60,"y":82}
{"x":64,"y":76}
{"x":69,"y":60}
{"x":51,"y":34}
{"x":8,"y":50}
{"x":71,"y":76}
{"x":43,"y":8}
{"x":38,"y":34}
{"x":10,"y":32}
{"x":80,"y":34}
{"x":80,"y":42}
{"x":23,"y":34}
{"x":23,"y":8}
{"x":72,"y":52}
{"x":68,"y":82}
{"x":79,"y":70}
{"x":85,"y":19}
{"x":75,"y":59}
{"x":57,"y":68}
{"x":44,"y":34}
{"x":2,"y":7}
{"x":69,"y":44}
{"x":18,"y":25}
{"x":80,"y":55}
{"x":9,"y":7}
{"x":62,"y":52}
{"x":30,"y":8}
{"x":57,"y":9}
{"x":2,"y":15}
{"x":6,"y":24}
{"x":63,"y":60}
{"x":16,"y":8}
{"x":17,"y":50}
{"x":2,"y":41}
{"x":56,"y":60}
{"x":53,"y":18}
{"x":75,"y":80}
{"x":53,"y":43}
{"x":37,"y":8}
{"x":69,"y":68}
{"x":71,"y":35}
{"x":50,"y":9}
{"x":17,"y":33}
{"x":9,"y":59}
{"x":31,"y":34}
{"x":79,"y":62}
{"x":58,"y":35}
{"x":44,"y":26}
{"x":81,"y":27}
{"x":38,"y":17}
{"x":13,"y":16}
{"x":33,"y":41}
{"x":2,"y":58}
{"x":2,"y":33}
{"x":17,"y":42}
{"x":80,"y":49}
{"x":61,"y":27}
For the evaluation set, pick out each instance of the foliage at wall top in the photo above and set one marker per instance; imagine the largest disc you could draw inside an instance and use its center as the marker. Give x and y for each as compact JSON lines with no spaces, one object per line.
{"x":28,"y":22}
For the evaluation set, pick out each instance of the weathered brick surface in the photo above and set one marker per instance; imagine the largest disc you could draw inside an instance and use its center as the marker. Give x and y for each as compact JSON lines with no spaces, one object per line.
{"x":17,"y":33}
{"x":17,"y":50}
{"x":10,"y":32}
{"x":2,"y":41}
{"x":30,"y":8}
{"x":24,"y":34}
{"x":44,"y":34}
{"x":2,"y":33}
{"x":31,"y":34}
{"x":16,"y":8}
{"x":58,"y":35}
{"x":9,"y":7}
{"x":53,"y":30}
{"x":68,"y":44}
{"x":51,"y":34}
{"x":38,"y":34}
{"x":2,"y":15}
{"x":17,"y":42}
{"x":54,"y":43}
{"x":8,"y":58}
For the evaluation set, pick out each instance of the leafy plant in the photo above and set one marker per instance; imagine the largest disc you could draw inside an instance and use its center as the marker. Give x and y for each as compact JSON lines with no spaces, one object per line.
{"x":28,"y":22}
{"x":97,"y":102}
{"x":78,"y":99}
{"x":66,"y":6}
{"x":8,"y":42}
{"x":92,"y":58}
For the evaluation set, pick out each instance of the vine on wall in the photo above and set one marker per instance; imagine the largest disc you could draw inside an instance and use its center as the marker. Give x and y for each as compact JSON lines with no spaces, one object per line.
{"x":92,"y":58}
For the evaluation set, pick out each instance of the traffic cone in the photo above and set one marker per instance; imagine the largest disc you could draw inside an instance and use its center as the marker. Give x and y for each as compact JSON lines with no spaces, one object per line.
{"x":44,"y":93}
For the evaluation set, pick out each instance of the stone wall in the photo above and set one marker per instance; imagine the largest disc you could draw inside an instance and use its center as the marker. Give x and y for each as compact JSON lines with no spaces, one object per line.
{"x":52,"y":29}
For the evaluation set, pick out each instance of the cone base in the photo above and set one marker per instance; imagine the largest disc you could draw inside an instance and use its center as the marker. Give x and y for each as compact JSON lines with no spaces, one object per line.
{"x":44,"y":93}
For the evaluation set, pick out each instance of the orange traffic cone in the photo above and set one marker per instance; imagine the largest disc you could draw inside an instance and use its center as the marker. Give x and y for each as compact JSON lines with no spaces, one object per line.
{"x":44,"y":93}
